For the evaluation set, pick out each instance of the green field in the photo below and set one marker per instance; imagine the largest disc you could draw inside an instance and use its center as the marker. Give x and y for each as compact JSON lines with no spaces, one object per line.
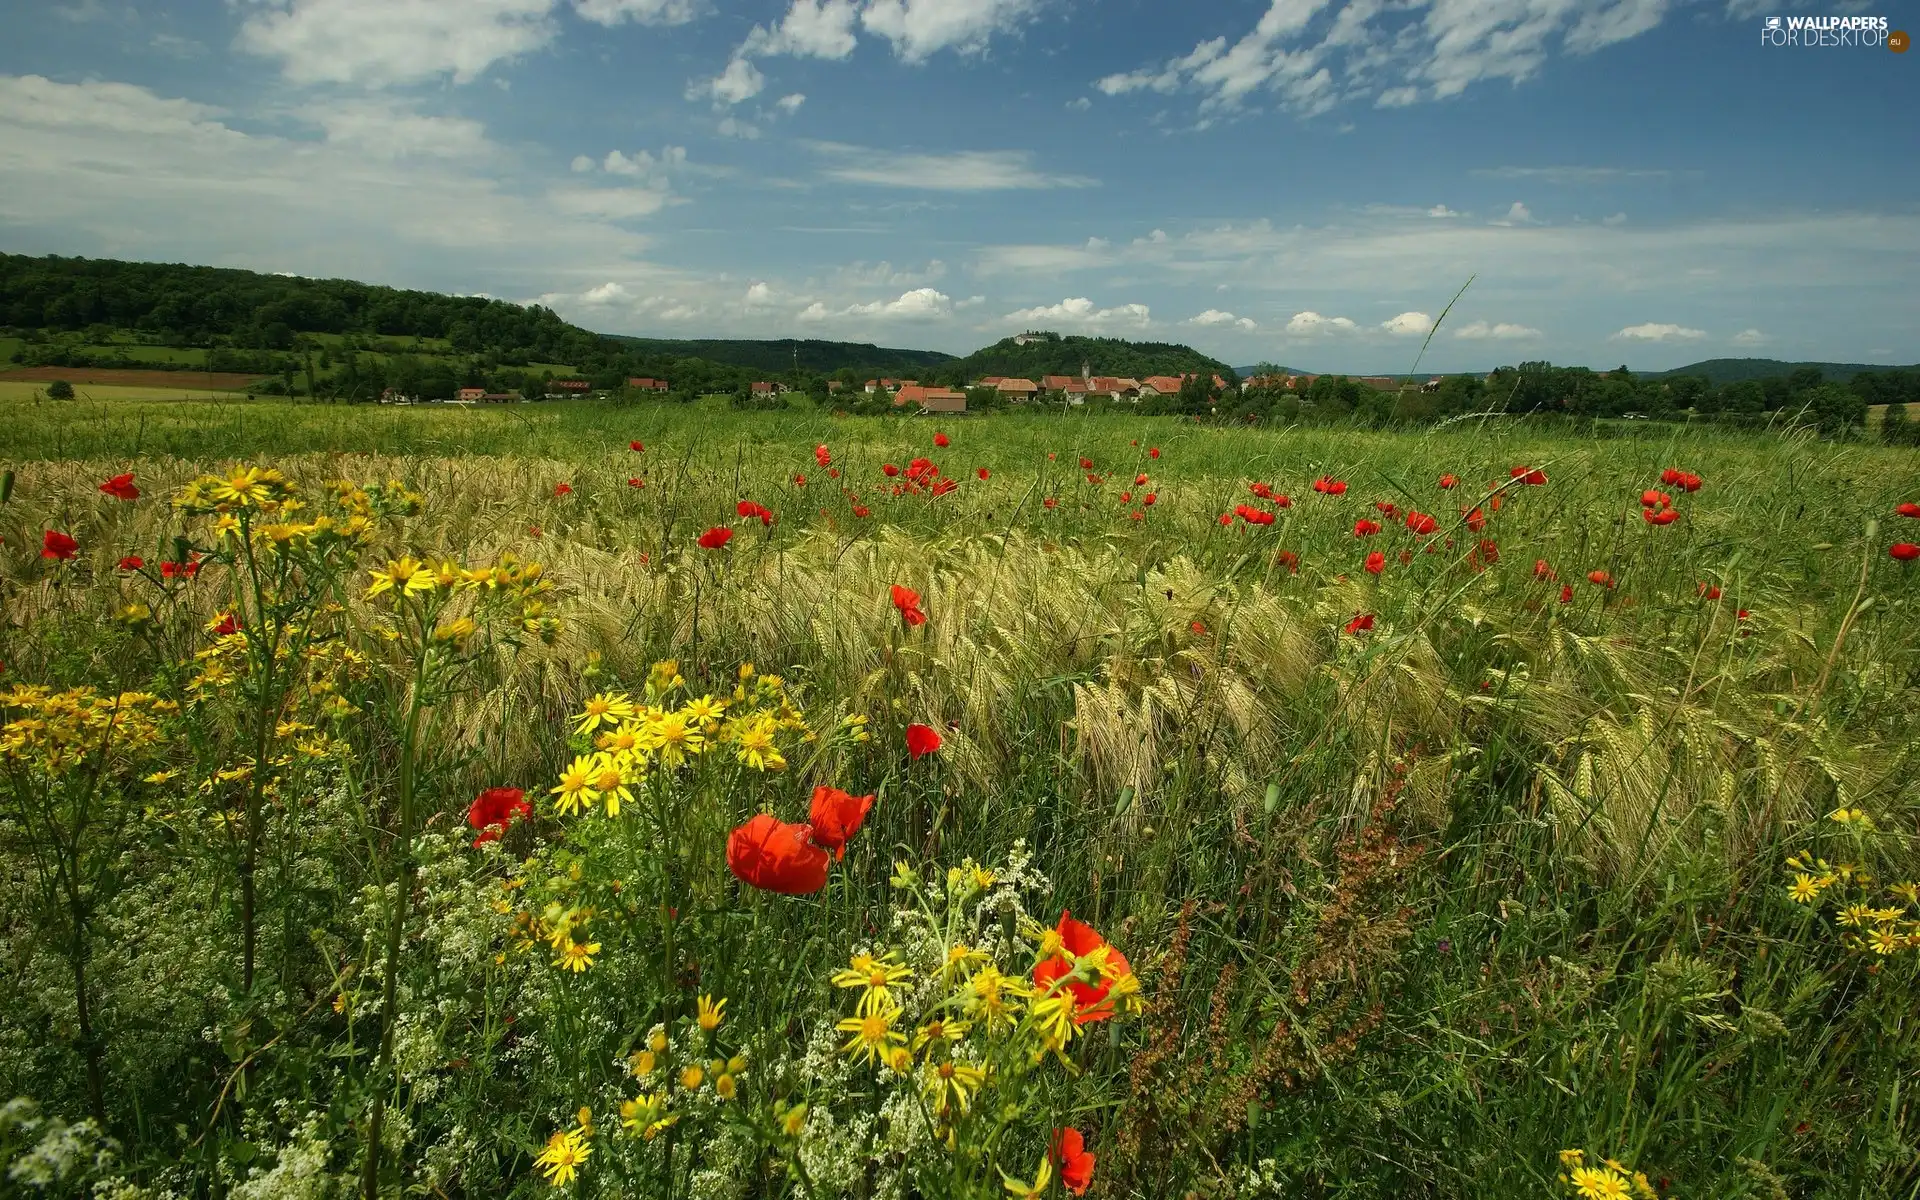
{"x":1420,"y":857}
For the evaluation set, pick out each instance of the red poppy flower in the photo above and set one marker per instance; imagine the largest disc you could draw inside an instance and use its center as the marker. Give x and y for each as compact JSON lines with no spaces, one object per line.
{"x":774,"y":856}
{"x":1670,"y":476}
{"x":1255,"y":516}
{"x":982,"y":472}
{"x":1327,"y":485}
{"x":1566,"y":593}
{"x":563,"y":489}
{"x":1448,"y":481}
{"x":715,"y":538}
{"x":1904,"y":551}
{"x":1660,"y":516}
{"x":833,"y":472}
{"x":1385,"y":506}
{"x":533,"y":531}
{"x":1541,"y":570}
{"x":132,"y":562}
{"x":1365,"y":528}
{"x":1091,"y":1001}
{"x":1742,"y":615}
{"x":635,"y":446}
{"x":1909,"y":509}
{"x":942,"y":486}
{"x":1421,"y":523}
{"x":227,"y":625}
{"x":1376,"y":563}
{"x":1126,"y":497}
{"x":1050,"y":502}
{"x":1137,"y":515}
{"x":836,"y":817}
{"x":1689,"y":482}
{"x":1149,"y":498}
{"x":1261,"y":490}
{"x":1289,"y":560}
{"x":861,"y":510}
{"x":908,"y":602}
{"x":174,"y":570}
{"x":1476,"y":520}
{"x":922,"y":740}
{"x":821,"y":456}
{"x":1600,"y":579}
{"x":636,"y":483}
{"x":1361,"y":623}
{"x":1531,"y":476}
{"x":1707,"y":590}
{"x":799,"y":480}
{"x":494,"y":810}
{"x":1140,"y":479}
{"x":54,"y":544}
{"x":1226,"y":518}
{"x":120,"y":487}
{"x":1086,"y":464}
{"x":889,"y":470}
{"x":1488,"y":551}
{"x":1655,"y":499}
{"x":942,"y":440}
{"x":748,"y":508}
{"x":1198,"y":627}
{"x":1070,"y":1154}
{"x":1153,"y":452}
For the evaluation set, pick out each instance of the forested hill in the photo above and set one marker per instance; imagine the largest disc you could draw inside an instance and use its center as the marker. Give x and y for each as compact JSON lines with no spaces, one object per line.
{"x":190,"y":305}
{"x":1738,"y":370}
{"x":789,"y":354}
{"x":1064,"y":355}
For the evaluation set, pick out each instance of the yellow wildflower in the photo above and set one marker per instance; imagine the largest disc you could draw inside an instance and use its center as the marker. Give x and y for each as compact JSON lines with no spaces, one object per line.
{"x":1804,"y":889}
{"x":647,"y":1114}
{"x":1855,"y":915}
{"x":407,"y":574}
{"x":642,"y":1062}
{"x":873,"y":1035}
{"x":725,"y":1088}
{"x":561,"y":1160}
{"x":575,"y":790}
{"x":711,"y":1013}
{"x":1599,"y":1183}
{"x":1910,"y":892}
{"x":577,"y":956}
{"x":879,"y":976}
{"x":1029,"y":1191}
{"x":1883,"y":940}
{"x":606,"y":708}
{"x":693,"y":1076}
{"x":757,"y":748}
{"x":951,"y":1085}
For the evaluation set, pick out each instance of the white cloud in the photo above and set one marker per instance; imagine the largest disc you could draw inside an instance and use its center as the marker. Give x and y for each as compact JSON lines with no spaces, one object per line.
{"x":1215,"y":317}
{"x":1441,"y":210}
{"x":1408,"y":324}
{"x":1480,"y":331}
{"x":1312,"y":324}
{"x":812,"y":312}
{"x":1314,"y":54}
{"x":759,"y":294}
{"x":645,"y":12}
{"x":1518,"y":214}
{"x":392,"y":130}
{"x":1081,"y":311}
{"x":1750,"y":337}
{"x":740,"y":82}
{"x":607,"y":293}
{"x":734,"y":127}
{"x":791,"y":103}
{"x":609,"y":204}
{"x":1079,"y":104}
{"x":920,"y":304}
{"x":920,"y":28}
{"x":378,"y":43}
{"x":959,"y":171}
{"x":1619,"y":218}
{"x":811,"y":29}
{"x":1653,"y":332}
{"x":582,"y":164}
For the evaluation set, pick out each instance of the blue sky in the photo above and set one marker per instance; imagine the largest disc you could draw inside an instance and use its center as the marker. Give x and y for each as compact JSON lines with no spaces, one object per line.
{"x":1301,"y":181}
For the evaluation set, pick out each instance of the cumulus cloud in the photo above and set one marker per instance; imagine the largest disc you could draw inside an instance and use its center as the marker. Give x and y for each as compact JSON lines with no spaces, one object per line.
{"x":1655,"y":332}
{"x":1480,"y":331}
{"x":392,"y":130}
{"x":1312,"y":324}
{"x":1518,"y":214}
{"x":1619,"y":218}
{"x":1408,"y":324}
{"x":1081,"y":311}
{"x":376,"y":43}
{"x":644,"y":12}
{"x":758,"y":293}
{"x":740,"y":82}
{"x":1215,"y":317}
{"x":791,"y":103}
{"x":607,"y":293}
{"x":920,"y":304}
{"x":1750,"y":337}
{"x":1441,"y":210}
{"x":920,"y":28}
{"x":811,"y":29}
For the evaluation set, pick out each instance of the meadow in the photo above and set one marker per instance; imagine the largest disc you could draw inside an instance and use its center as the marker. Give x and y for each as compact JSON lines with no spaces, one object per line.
{"x":666,"y":801}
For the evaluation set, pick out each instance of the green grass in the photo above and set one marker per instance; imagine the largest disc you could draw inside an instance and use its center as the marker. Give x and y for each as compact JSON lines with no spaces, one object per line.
{"x":1414,"y":907}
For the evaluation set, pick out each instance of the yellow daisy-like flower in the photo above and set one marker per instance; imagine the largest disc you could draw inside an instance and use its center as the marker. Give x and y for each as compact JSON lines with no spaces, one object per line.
{"x":607,"y":708}
{"x":1053,"y":1019}
{"x":611,"y":777}
{"x":623,"y":739}
{"x":704,"y":711}
{"x":1599,"y":1183}
{"x":407,"y":575}
{"x":647,"y":1115}
{"x":879,"y":976}
{"x":642,"y":1062}
{"x":874,"y":1036}
{"x":993,"y":997}
{"x":692,"y":1077}
{"x":1022,"y":1190}
{"x":245,"y":487}
{"x":793,"y":1120}
{"x":1883,"y":940}
{"x":960,"y":958}
{"x":1572,"y":1158}
{"x":561,"y":1160}
{"x":1804,"y":889}
{"x":725,"y":1088}
{"x":1910,"y":892}
{"x":942,"y":1031}
{"x":757,"y":749}
{"x":671,"y":739}
{"x":951,"y":1085}
{"x":1855,"y":915}
{"x":575,"y":790}
{"x":577,"y":956}
{"x":711,"y":1013}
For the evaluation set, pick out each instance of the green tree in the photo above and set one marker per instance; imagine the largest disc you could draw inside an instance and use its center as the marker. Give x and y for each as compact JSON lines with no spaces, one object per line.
{"x":59,"y":389}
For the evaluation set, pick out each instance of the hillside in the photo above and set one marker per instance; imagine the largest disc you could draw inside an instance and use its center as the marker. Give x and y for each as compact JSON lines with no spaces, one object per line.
{"x":1104,"y":356}
{"x":1738,"y":370}
{"x":787,"y":354}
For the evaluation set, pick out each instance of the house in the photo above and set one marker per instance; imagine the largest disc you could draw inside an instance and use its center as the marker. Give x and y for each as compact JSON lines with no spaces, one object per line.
{"x":1118,"y":388}
{"x":834,"y":385}
{"x":1035,"y":335}
{"x":644,"y":384}
{"x":1019,"y":391}
{"x":499,"y":397}
{"x":469,"y":395}
{"x":769,"y":389}
{"x":576,"y":387}
{"x":1300,"y":383}
{"x":1160,"y":385}
{"x":992,"y":381}
{"x":1381,"y":383}
{"x":887,"y":385}
{"x":1431,"y":385}
{"x":930,"y":399}
{"x":1076,"y":391}
{"x":1056,"y":383}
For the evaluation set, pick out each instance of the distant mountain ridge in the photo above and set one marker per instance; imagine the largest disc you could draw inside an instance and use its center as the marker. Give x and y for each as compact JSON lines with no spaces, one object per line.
{"x":1739,"y":370}
{"x":787,"y":354}
{"x":1030,"y":357}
